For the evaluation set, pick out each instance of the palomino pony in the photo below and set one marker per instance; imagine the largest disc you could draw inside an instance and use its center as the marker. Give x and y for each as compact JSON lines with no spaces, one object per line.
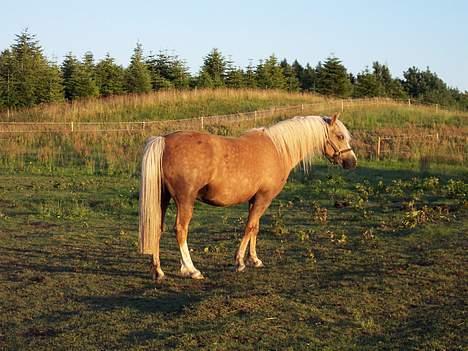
{"x":223,"y":171}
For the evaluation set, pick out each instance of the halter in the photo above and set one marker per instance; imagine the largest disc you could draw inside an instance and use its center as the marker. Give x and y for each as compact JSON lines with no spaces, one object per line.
{"x":337,"y":150}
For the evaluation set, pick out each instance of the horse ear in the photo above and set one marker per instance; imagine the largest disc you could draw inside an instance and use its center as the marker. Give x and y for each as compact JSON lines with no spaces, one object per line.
{"x":334,"y":118}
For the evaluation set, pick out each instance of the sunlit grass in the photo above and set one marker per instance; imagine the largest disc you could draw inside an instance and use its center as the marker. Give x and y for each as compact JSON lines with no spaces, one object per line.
{"x":420,"y":133}
{"x":382,"y":271}
{"x":163,"y":105}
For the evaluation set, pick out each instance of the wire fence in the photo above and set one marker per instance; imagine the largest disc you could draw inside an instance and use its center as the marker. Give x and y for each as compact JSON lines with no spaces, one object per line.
{"x":194,"y":123}
{"x":31,"y":140}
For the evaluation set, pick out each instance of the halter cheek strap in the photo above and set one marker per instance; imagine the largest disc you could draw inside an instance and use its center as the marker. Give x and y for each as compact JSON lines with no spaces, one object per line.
{"x":336,"y":149}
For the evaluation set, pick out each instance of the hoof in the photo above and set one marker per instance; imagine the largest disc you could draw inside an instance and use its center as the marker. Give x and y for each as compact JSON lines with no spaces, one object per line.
{"x":184,"y":272}
{"x":157,"y":274}
{"x":197,"y":275}
{"x":258,"y":264}
{"x":255,"y":262}
{"x":240,"y":268}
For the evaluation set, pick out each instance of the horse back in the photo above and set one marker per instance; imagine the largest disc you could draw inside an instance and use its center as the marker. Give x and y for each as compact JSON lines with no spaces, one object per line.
{"x":221,"y":170}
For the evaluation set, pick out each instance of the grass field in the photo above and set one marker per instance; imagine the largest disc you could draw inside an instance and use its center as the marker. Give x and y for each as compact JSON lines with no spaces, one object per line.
{"x":372,"y":259}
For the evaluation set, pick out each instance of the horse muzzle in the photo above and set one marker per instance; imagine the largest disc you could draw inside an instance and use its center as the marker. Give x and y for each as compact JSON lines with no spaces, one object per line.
{"x":349,"y":163}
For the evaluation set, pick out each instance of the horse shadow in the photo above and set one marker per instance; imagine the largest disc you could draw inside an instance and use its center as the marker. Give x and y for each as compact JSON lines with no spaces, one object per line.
{"x":158,"y":301}
{"x":69,"y":262}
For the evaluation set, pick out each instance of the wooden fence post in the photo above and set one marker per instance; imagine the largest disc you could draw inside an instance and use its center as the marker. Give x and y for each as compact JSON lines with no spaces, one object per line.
{"x":409,"y":102}
{"x":378,"y":148}
{"x":201,"y":119}
{"x":72,"y":128}
{"x":342,"y":105}
{"x":302,"y":107}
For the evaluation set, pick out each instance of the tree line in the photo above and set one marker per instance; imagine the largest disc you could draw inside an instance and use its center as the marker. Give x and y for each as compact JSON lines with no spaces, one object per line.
{"x":28,"y":78}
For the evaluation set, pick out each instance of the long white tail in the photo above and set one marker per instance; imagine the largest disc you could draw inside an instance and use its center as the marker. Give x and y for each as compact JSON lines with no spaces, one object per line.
{"x":150,"y":196}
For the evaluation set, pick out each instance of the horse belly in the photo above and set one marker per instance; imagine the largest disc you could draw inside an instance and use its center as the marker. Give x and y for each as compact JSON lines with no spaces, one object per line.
{"x":226,"y":193}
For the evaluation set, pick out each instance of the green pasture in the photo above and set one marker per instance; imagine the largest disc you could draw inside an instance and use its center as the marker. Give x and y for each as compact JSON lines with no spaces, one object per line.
{"x":372,"y":259}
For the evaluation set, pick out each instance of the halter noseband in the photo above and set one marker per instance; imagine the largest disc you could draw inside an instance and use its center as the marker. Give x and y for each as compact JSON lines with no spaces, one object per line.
{"x":337,"y":150}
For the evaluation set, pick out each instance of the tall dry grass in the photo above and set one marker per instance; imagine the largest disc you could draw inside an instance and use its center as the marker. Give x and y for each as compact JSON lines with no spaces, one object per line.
{"x":163,"y":105}
{"x":90,"y":150}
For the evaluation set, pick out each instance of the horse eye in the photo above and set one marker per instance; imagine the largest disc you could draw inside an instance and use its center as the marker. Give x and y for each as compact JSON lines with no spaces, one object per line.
{"x":340,"y":137}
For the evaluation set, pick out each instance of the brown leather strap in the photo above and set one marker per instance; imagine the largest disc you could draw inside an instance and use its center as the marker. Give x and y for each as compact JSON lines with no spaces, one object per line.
{"x":338,"y":152}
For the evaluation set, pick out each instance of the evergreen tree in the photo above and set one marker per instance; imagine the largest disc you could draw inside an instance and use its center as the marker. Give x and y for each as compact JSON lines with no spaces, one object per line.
{"x":292,"y":81}
{"x":204,"y":80}
{"x":309,"y":79}
{"x":109,"y":77}
{"x":213,"y":71}
{"x":352,"y":78}
{"x":179,"y":73}
{"x":426,"y":86}
{"x":390,"y":87}
{"x":137,"y":75}
{"x":69,"y":68}
{"x":382,"y":74}
{"x":167,"y":71}
{"x":29,"y":77}
{"x":250,"y":77}
{"x":461,"y":99}
{"x":79,"y":78}
{"x":51,"y":88}
{"x":379,"y":82}
{"x":7,"y":97}
{"x":27,"y":58}
{"x":332,"y":78}
{"x":89,"y":68}
{"x":270,"y":74}
{"x":367,"y":85}
{"x":299,"y":72}
{"x":234,"y":76}
{"x":159,"y":68}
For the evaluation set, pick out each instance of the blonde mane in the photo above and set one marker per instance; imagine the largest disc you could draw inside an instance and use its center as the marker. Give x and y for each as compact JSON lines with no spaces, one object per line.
{"x":299,"y":139}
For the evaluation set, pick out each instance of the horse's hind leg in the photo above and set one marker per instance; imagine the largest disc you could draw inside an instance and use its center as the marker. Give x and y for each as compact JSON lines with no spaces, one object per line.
{"x":156,"y":270}
{"x":184,"y":215}
{"x":256,"y":210}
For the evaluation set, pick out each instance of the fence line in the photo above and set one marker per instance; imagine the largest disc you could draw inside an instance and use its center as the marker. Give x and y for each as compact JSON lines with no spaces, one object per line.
{"x":204,"y":121}
{"x":380,"y":140}
{"x":76,"y":126}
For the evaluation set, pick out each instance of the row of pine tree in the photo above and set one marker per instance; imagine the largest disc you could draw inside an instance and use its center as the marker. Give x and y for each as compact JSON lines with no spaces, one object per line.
{"x":28,"y":78}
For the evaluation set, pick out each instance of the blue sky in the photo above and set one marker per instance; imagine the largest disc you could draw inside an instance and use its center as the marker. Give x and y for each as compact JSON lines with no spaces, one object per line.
{"x":398,"y":33}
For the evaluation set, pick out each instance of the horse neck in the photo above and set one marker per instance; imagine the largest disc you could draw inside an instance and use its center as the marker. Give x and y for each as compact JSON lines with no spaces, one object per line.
{"x":299,"y":140}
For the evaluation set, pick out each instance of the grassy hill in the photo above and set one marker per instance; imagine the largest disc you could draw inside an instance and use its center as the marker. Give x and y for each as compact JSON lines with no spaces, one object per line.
{"x":93,"y":136}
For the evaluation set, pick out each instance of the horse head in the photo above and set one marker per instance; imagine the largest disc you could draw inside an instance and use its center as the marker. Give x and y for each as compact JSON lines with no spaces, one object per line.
{"x":337,"y":148}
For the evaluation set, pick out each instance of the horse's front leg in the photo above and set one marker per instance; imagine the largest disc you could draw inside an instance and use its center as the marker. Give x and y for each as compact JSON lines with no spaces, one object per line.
{"x":250,"y":229}
{"x":256,"y":210}
{"x":253,"y":258}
